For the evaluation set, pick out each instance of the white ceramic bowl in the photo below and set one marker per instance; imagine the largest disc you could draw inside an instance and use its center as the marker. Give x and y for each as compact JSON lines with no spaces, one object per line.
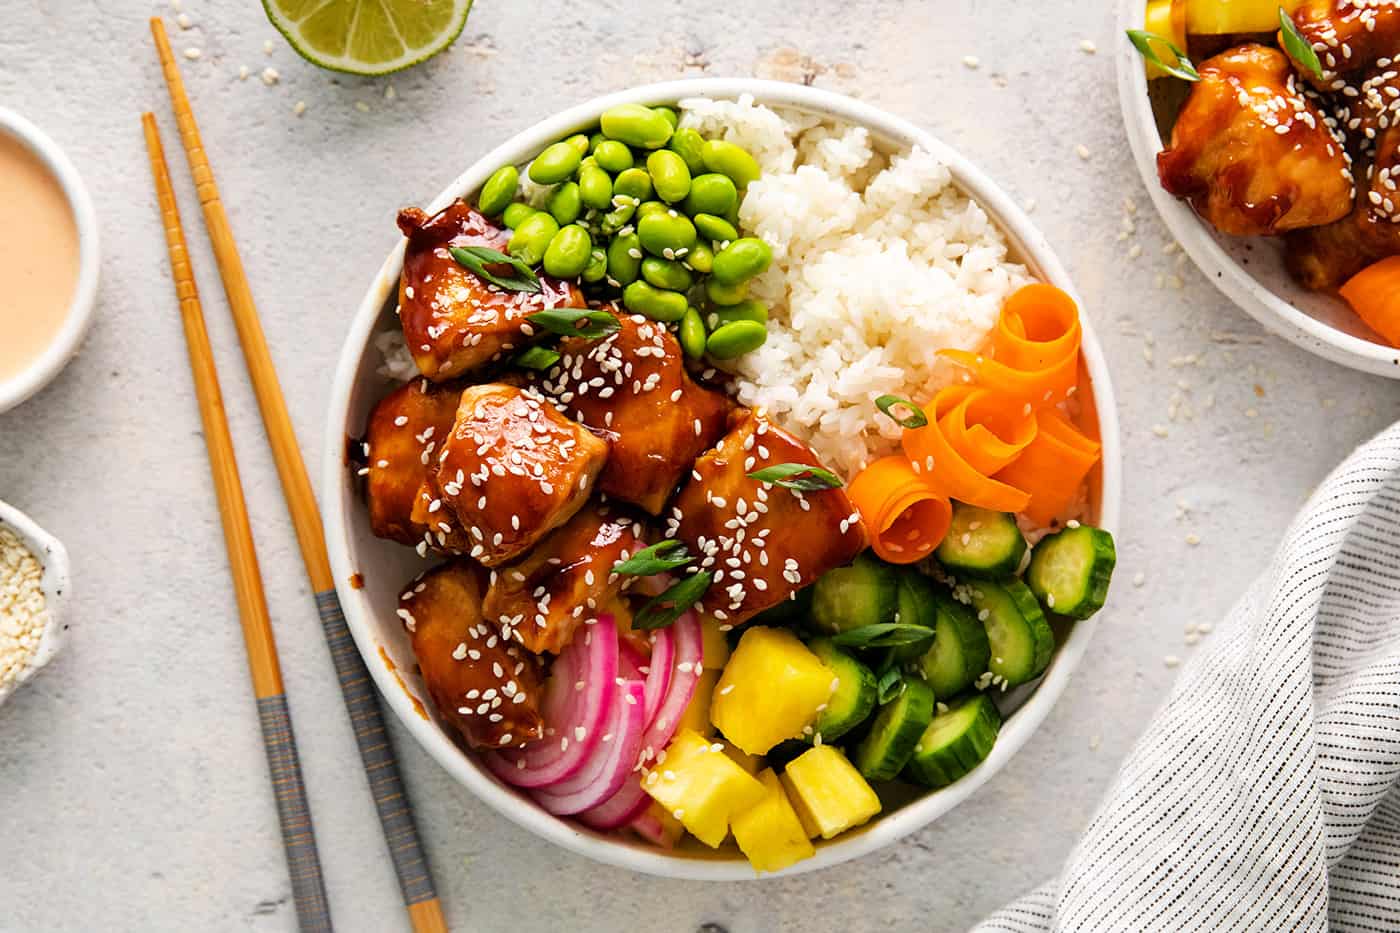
{"x":55,"y":583}
{"x":75,"y":327}
{"x":1249,"y":270}
{"x":385,"y":566}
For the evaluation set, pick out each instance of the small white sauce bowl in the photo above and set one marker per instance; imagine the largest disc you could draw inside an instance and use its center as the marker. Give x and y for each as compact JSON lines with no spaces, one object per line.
{"x":65,"y":345}
{"x":53,"y":557}
{"x":385,"y":566}
{"x":1249,"y":270}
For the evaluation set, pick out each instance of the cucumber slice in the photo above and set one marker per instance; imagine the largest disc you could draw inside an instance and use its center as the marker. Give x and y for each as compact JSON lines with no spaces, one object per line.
{"x":792,"y":611}
{"x":1019,"y":637}
{"x":861,"y":593}
{"x":1071,"y":569}
{"x":896,"y":730}
{"x":854,"y":697}
{"x":960,"y":652}
{"x":955,"y":742}
{"x":982,"y":543}
{"x":914,"y":598}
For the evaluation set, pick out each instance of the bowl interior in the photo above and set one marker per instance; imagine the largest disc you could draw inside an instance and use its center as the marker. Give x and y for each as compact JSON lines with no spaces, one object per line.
{"x":385,"y":566}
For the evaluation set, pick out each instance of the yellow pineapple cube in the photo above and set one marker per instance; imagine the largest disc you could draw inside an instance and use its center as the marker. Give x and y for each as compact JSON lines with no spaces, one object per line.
{"x":1221,"y":17}
{"x":701,"y":786}
{"x":716,"y":645}
{"x":771,"y":689}
{"x":750,"y":763}
{"x":804,"y":816}
{"x":835,"y":795}
{"x":696,"y":717}
{"x":769,"y":833}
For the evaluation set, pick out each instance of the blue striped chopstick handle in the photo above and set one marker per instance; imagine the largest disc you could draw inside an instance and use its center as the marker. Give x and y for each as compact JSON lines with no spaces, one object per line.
{"x":381,"y":767}
{"x":294,"y":814}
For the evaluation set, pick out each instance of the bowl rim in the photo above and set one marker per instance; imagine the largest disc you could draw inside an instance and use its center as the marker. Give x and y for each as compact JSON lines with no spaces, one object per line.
{"x":1279,"y":316}
{"x":55,"y":357}
{"x":55,"y":582}
{"x":1032,"y":248}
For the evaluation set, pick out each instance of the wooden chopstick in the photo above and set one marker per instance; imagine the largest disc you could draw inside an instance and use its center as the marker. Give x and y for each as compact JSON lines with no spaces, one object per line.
{"x":293,"y":812}
{"x":376,"y":752}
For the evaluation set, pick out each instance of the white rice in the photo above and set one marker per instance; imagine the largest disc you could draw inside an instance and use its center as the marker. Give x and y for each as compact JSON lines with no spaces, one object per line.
{"x":878,"y":264}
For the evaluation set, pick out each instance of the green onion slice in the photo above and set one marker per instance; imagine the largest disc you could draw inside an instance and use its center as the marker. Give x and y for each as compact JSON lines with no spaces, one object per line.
{"x":1298,"y":48}
{"x":655,"y":559}
{"x":888,"y":686}
{"x":539,"y":358}
{"x":477,"y":258}
{"x":1142,"y":41}
{"x":916,"y":417}
{"x":800,"y":476}
{"x":566,"y":322}
{"x":662,"y":610}
{"x":883,"y":635}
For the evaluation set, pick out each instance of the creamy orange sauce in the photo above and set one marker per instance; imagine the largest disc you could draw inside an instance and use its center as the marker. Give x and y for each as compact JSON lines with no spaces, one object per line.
{"x":38,"y":256}
{"x":394,"y":669}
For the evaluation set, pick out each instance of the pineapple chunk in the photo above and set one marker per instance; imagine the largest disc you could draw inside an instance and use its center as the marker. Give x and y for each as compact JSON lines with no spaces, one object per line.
{"x":716,"y":645}
{"x":1166,"y":18}
{"x":769,"y":833}
{"x":1219,"y":17}
{"x":836,"y":796}
{"x":702,"y":787}
{"x":696,"y":717}
{"x":804,"y":816}
{"x":771,"y":689}
{"x":750,"y":763}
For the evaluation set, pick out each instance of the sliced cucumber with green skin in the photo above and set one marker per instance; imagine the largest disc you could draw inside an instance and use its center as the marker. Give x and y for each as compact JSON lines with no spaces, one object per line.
{"x":982,"y":543}
{"x":792,"y":611}
{"x":956,"y":741}
{"x":960,"y":652}
{"x":854,"y":697}
{"x":1071,"y":569}
{"x":914,"y":598}
{"x":882,"y":754}
{"x":1020,"y":638}
{"x":862,"y":593}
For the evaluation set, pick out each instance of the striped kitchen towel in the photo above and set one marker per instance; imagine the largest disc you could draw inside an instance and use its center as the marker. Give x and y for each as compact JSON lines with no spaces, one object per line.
{"x":1265,"y":795}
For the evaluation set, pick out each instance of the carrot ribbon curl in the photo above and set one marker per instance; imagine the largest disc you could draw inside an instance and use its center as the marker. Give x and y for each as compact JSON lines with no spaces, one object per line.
{"x":906,"y":516}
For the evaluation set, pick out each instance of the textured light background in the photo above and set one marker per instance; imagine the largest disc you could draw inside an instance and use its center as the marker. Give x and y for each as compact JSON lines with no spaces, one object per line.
{"x":133,"y":793}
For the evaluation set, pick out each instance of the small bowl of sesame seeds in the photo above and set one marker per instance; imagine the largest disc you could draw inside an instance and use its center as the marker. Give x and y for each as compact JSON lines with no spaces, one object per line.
{"x":33,"y":588}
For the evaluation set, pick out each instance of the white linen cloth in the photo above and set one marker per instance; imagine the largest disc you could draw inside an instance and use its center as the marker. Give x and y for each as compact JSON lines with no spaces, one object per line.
{"x":1265,"y":794}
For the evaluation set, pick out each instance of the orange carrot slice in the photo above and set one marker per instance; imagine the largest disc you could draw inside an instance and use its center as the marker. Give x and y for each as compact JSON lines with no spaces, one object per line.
{"x":988,"y":430}
{"x":1052,"y":468}
{"x":1034,"y":355}
{"x":1374,"y":294}
{"x":905,"y":515}
{"x":934,"y":456}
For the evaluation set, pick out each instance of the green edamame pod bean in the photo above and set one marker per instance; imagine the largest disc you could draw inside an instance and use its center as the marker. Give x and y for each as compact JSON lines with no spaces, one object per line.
{"x":515,"y":214}
{"x":619,"y":217}
{"x":532,"y":237}
{"x":656,"y":303}
{"x":687,"y":144}
{"x":667,"y":274}
{"x":666,"y":234}
{"x":691,"y":334}
{"x":595,"y":188}
{"x":652,"y":207}
{"x":716,"y":229}
{"x":735,"y":339}
{"x":700,"y":258}
{"x":556,"y":163}
{"x":729,"y":159}
{"x":569,"y":252}
{"x":580,"y":142}
{"x":498,"y":191}
{"x":597,"y":266}
{"x":624,"y":259}
{"x":633,"y":183}
{"x":636,"y":125}
{"x":613,"y":156}
{"x":750,"y":309}
{"x":721,"y":294}
{"x":742,"y":260}
{"x":711,"y":193}
{"x":669,"y":175}
{"x":595,"y":139}
{"x":670,"y":114}
{"x":566,"y":203}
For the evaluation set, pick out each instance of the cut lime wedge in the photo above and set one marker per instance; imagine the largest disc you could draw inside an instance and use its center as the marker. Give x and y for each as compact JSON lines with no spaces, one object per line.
{"x":368,"y":37}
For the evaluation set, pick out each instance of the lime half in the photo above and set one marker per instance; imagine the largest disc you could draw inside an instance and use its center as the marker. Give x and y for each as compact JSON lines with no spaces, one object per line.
{"x":368,"y":37}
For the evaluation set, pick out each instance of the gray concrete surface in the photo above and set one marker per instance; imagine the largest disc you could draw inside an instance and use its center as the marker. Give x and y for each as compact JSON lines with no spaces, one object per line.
{"x":132,"y":789}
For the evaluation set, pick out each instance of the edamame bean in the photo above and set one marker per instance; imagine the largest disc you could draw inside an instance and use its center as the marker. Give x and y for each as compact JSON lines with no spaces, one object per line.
{"x":624,"y":259}
{"x":636,"y":125}
{"x":595,"y":188}
{"x":729,"y":159}
{"x":565,"y":204}
{"x":700,"y":258}
{"x":569,"y":253}
{"x":750,"y":309}
{"x":634,"y":183}
{"x":516,"y":213}
{"x":613,"y":156}
{"x":652,"y":207}
{"x":595,"y":139}
{"x":735,"y":339}
{"x":687,"y":144}
{"x":721,"y":294}
{"x":657,"y":304}
{"x":691,"y":334}
{"x":498,"y":191}
{"x":619,"y":217}
{"x":666,"y":234}
{"x":670,"y":114}
{"x":711,"y":193}
{"x":530,"y":240}
{"x":715,"y":228}
{"x":597,"y":266}
{"x":556,"y":163}
{"x":669,"y":175}
{"x":667,"y":274}
{"x":741,"y":260}
{"x":580,"y":142}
